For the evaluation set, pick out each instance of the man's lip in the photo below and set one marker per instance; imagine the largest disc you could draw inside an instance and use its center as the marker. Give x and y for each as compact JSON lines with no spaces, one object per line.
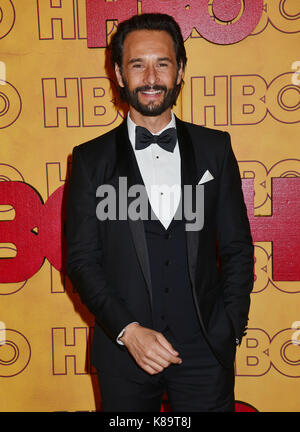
{"x":151,"y":92}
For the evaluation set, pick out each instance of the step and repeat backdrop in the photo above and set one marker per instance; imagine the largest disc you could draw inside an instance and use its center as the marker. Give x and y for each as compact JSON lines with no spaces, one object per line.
{"x":56,"y":91}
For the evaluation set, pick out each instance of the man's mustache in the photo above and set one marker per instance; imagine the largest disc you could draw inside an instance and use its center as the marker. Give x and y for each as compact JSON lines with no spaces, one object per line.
{"x":149,"y":88}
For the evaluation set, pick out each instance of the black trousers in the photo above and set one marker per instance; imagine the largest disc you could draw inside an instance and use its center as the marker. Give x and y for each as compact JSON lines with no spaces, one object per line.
{"x":199,"y":384}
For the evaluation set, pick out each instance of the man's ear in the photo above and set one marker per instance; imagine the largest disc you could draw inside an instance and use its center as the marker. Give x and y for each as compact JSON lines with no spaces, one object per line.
{"x":119,"y":75}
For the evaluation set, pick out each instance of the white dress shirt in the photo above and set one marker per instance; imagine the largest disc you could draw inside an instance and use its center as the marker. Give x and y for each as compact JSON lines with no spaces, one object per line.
{"x":160,"y":170}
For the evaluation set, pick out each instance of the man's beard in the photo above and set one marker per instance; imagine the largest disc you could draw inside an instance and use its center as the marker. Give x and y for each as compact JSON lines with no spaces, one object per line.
{"x":151,"y":109}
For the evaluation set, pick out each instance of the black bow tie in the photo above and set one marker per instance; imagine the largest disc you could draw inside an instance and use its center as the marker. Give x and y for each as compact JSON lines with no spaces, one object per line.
{"x":166,"y":140}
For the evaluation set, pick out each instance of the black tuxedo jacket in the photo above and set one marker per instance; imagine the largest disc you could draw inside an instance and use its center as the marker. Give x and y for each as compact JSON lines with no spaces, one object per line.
{"x":108,"y":262}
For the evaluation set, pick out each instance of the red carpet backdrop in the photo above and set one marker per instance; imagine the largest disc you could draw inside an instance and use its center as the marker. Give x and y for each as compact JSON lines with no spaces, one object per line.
{"x":243,"y":76}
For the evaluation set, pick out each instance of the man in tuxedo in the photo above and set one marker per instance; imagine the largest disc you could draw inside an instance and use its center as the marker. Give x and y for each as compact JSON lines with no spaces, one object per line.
{"x":170,"y":298}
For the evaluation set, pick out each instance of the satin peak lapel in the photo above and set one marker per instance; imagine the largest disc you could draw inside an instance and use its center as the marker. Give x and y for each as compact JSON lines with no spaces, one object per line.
{"x":125,"y":162}
{"x":189,"y":177}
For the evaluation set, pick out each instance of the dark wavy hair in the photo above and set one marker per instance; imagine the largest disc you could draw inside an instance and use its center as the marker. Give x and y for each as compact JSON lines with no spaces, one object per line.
{"x":151,"y":21}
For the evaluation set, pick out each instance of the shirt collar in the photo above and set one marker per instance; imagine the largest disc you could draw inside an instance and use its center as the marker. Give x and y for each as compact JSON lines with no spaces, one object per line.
{"x":131,"y":128}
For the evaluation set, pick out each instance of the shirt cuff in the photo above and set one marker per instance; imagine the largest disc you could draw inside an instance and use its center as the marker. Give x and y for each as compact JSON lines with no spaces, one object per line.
{"x":122,"y":333}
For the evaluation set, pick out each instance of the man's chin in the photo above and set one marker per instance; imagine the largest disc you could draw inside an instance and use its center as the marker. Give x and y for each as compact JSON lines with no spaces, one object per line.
{"x":151,"y":110}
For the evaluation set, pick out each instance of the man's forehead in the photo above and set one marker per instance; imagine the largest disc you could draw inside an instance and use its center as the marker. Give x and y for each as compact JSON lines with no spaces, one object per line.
{"x":143,"y":36}
{"x":150,"y":40}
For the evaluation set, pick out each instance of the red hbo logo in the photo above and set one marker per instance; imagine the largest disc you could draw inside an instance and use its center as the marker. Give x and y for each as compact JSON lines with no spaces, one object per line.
{"x":244,"y":407}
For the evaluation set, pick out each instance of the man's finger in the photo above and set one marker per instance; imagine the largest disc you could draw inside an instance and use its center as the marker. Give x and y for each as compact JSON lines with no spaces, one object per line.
{"x":149,"y":369}
{"x":166,"y":344}
{"x":159,"y":355}
{"x":166,"y":354}
{"x":157,"y":367}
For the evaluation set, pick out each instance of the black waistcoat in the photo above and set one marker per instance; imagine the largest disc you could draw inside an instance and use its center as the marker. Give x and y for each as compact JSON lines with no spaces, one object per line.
{"x":172,"y":300}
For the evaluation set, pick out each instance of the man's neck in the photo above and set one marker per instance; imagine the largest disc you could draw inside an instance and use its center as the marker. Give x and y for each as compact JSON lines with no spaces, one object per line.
{"x":153,"y":124}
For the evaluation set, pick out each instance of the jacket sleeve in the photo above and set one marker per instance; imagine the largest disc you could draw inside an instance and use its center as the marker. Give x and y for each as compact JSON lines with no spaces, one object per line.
{"x":85,"y":252}
{"x":235,"y":246}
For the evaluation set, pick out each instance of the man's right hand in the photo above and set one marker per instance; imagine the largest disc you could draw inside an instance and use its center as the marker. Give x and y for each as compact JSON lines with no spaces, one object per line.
{"x":150,"y":349}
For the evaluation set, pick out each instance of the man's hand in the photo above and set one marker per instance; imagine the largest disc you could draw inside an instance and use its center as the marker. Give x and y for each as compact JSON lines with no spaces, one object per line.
{"x":150,"y":349}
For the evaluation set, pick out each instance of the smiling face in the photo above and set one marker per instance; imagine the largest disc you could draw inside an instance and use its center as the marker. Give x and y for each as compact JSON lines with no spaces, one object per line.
{"x":150,"y":74}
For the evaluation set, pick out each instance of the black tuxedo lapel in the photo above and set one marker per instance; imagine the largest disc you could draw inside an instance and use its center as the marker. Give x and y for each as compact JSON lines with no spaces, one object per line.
{"x":188,"y":177}
{"x":190,"y":167}
{"x":125,"y":162}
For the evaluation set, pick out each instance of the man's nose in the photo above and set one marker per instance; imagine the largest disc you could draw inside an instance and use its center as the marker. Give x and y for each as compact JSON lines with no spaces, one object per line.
{"x":150,"y":75}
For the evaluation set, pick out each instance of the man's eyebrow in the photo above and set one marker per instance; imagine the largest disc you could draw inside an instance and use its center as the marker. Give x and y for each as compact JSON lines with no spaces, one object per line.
{"x":134,"y":60}
{"x":165,"y":59}
{"x":139,"y":59}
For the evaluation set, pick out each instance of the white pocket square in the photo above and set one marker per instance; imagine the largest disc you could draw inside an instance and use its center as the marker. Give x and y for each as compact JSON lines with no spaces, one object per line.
{"x":206,"y":177}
